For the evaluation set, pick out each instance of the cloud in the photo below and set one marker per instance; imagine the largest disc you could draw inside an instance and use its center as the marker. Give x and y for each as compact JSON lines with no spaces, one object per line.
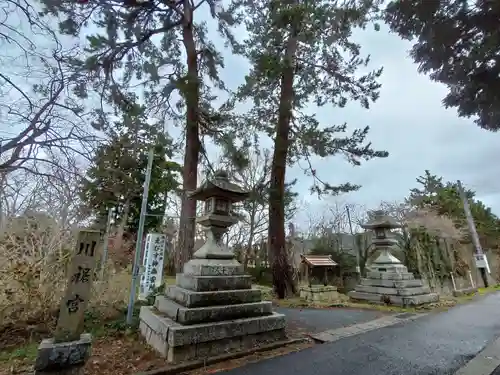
{"x":410,"y":122}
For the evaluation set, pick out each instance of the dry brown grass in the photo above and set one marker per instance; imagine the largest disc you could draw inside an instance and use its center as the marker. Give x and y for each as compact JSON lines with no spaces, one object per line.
{"x":34,"y":255}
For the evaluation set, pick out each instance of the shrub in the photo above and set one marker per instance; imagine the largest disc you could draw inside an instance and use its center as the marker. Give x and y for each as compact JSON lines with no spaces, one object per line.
{"x":261,"y":275}
{"x":34,"y":257}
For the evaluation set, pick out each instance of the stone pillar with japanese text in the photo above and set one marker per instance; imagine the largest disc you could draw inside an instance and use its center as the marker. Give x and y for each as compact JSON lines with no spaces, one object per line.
{"x":69,"y":349}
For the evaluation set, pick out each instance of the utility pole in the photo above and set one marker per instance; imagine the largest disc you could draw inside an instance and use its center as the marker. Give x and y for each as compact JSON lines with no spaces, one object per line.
{"x":1,"y":193}
{"x":138,"y":244}
{"x":480,"y":257}
{"x":358,"y":268}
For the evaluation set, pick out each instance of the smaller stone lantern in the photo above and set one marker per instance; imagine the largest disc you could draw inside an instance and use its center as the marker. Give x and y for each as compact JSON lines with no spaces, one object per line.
{"x":388,"y":280}
{"x":381,"y":225}
{"x":219,"y":194}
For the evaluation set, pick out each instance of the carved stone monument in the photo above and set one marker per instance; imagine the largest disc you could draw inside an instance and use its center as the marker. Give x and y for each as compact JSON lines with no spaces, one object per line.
{"x":69,"y":349}
{"x":212,"y":309}
{"x":388,"y":280}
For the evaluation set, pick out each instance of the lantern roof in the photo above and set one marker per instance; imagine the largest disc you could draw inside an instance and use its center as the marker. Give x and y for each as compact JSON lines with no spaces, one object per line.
{"x":380,"y":220}
{"x":219,"y":186}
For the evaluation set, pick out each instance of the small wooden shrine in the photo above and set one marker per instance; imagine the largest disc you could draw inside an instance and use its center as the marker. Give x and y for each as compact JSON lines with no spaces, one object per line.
{"x":317,"y":261}
{"x":317,"y":292}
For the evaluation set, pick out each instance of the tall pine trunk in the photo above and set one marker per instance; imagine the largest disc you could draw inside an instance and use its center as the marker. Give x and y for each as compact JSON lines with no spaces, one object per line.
{"x":282,"y":275}
{"x":122,"y":224}
{"x":192,"y":148}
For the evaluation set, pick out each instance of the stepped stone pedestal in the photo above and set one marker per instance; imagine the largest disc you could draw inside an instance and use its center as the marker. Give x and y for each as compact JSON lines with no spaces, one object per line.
{"x":391,"y":283}
{"x":388,"y":280}
{"x":212,"y":309}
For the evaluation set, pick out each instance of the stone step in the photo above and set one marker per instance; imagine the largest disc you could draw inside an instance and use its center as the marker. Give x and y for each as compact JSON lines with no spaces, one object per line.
{"x":212,"y":283}
{"x":392,"y":283}
{"x":394,"y":300}
{"x":389,"y":275}
{"x":399,"y":268}
{"x":176,"y":334}
{"x":189,"y":298}
{"x":213,"y":267}
{"x":185,"y":315}
{"x":415,"y":291}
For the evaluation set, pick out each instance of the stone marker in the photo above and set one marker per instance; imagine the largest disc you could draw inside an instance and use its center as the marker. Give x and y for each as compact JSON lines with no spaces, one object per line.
{"x":69,"y":349}
{"x":212,"y":309}
{"x":153,"y":261}
{"x":388,"y":280}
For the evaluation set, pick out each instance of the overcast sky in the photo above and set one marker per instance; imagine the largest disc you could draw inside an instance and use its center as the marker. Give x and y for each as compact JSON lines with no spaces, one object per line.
{"x":408,"y":121}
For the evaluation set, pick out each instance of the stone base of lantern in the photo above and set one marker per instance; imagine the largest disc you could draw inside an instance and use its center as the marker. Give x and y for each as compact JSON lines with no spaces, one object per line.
{"x":389,"y":282}
{"x":211,"y":310}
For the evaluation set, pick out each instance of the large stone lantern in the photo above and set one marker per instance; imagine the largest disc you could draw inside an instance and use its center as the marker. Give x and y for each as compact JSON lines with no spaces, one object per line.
{"x":388,"y":280}
{"x":212,"y":309}
{"x":381,"y":225}
{"x":219,"y":194}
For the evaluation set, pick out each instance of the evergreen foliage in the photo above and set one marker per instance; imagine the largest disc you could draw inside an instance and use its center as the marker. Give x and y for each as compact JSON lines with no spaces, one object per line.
{"x":457,"y":43}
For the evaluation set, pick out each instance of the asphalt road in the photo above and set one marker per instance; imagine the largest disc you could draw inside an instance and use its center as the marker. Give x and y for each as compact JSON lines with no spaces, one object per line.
{"x":319,"y":320}
{"x":437,"y":344}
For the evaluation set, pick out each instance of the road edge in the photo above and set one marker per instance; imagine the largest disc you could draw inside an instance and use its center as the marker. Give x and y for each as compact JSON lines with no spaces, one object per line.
{"x":485,"y":362}
{"x":359,"y":328}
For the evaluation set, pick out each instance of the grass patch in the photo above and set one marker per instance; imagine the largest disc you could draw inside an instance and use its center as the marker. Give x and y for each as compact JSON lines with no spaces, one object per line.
{"x":344,"y":302}
{"x":297,"y":302}
{"x":24,"y":353}
{"x":490,"y":289}
{"x":102,"y":327}
{"x":445,"y":303}
{"x":169,"y":280}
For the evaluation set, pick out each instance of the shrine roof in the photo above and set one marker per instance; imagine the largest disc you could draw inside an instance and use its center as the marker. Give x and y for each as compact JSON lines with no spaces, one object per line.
{"x":318,"y":260}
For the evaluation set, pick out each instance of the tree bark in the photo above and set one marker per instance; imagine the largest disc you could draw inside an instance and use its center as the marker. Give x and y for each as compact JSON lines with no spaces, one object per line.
{"x":249,"y":246}
{"x":192,"y":148}
{"x":282,"y":275}
{"x":123,"y":223}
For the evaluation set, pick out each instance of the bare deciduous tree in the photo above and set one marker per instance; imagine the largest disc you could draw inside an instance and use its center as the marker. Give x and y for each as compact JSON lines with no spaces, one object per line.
{"x":25,"y":193}
{"x":254,"y":211}
{"x":40,"y":121}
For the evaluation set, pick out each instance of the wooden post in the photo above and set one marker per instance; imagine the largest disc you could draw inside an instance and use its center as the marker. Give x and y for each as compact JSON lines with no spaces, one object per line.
{"x":81,"y":274}
{"x":453,"y":281}
{"x":308,"y":276}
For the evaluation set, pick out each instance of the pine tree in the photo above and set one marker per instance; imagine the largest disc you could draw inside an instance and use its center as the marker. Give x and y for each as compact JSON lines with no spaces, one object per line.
{"x":162,"y":47}
{"x":456,"y":42}
{"x":256,"y":179}
{"x":116,"y":176}
{"x":443,"y":199}
{"x":297,"y":50}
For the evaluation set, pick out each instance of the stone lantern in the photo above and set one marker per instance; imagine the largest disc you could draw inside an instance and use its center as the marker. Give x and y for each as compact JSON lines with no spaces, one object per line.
{"x":388,"y":280}
{"x":219,"y":194}
{"x":212,"y":309}
{"x":381,"y":225}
